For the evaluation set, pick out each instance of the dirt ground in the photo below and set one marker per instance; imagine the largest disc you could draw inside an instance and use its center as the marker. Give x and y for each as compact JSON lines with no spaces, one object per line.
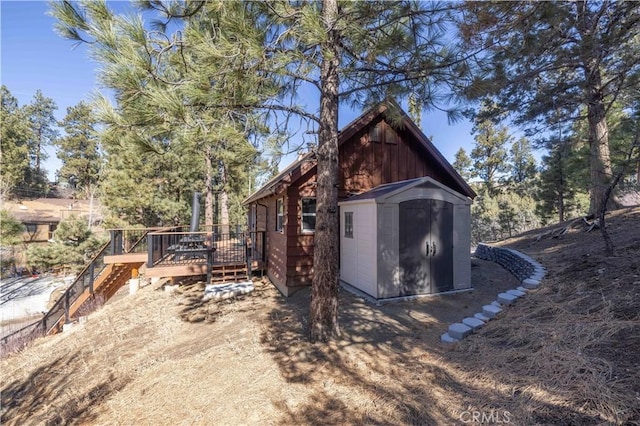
{"x":566,"y":354}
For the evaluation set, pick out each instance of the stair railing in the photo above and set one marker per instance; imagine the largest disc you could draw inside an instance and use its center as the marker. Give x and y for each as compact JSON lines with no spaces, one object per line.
{"x":84,"y":280}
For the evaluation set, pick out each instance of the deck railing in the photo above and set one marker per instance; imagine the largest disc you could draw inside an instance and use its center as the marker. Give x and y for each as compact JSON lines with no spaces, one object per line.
{"x":133,"y":240}
{"x":169,"y":246}
{"x":122,"y":241}
{"x":177,"y":248}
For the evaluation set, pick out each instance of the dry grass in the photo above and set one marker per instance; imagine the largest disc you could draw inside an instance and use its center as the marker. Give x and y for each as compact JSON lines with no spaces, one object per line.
{"x":567,"y":354}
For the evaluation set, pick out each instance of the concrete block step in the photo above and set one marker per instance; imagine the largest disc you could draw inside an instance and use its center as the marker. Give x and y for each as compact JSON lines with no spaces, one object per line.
{"x":537,"y":276}
{"x":506,"y":298}
{"x":446,"y":338}
{"x":459,"y":331}
{"x":530,"y":284}
{"x":472,"y":322}
{"x":491,"y":310}
{"x":517,"y":293}
{"x":481,"y":317}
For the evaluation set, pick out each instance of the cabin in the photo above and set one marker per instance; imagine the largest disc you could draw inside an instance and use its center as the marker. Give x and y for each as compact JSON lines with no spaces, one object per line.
{"x":382,"y":146}
{"x":40,"y":217}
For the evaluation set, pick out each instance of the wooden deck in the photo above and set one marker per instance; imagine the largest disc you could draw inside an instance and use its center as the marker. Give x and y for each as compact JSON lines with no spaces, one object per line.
{"x":223,"y":268}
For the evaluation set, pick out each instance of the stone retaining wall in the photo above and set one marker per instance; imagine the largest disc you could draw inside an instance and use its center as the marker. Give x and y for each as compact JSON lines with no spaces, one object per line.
{"x":520,"y":265}
{"x":527,"y":270}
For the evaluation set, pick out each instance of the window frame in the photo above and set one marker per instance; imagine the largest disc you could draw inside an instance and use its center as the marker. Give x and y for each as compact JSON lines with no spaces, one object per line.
{"x":303,"y":214}
{"x":280,"y":214}
{"x":52,"y":229}
{"x":376,"y":133}
{"x":348,"y":225}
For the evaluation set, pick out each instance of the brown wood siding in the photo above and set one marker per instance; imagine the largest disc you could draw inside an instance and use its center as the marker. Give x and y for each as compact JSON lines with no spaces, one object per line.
{"x":276,"y":241}
{"x":299,"y":244}
{"x":365,"y":165}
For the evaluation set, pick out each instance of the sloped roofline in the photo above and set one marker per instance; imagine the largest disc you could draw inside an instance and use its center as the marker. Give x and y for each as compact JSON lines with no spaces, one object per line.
{"x":354,"y":127}
{"x":384,"y":192}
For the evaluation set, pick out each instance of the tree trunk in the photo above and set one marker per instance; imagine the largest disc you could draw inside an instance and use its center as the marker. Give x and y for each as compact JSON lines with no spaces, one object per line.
{"x":560,"y":206}
{"x":224,"y":201}
{"x":561,"y":165}
{"x":208,"y":189}
{"x":599,"y":159}
{"x":600,"y":173}
{"x":324,"y":291}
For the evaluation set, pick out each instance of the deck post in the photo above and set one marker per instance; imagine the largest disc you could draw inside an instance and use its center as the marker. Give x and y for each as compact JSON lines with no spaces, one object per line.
{"x":248,"y":252}
{"x":66,"y":307}
{"x":149,"y":251}
{"x":92,"y":269}
{"x":116,"y":241}
{"x":209,"y":263}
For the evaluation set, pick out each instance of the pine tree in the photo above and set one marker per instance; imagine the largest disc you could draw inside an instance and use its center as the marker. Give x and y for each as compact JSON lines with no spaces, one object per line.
{"x":463,"y":164}
{"x":78,"y":149}
{"x":522,"y":165}
{"x":545,"y":58}
{"x":14,"y":151}
{"x":489,"y":154}
{"x":74,"y":245}
{"x":171,"y":89}
{"x":43,"y":131}
{"x":10,"y":229}
{"x":557,"y":189}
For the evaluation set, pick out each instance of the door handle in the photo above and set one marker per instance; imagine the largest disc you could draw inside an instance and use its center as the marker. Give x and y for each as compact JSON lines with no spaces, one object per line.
{"x":433,"y":248}
{"x":427,"y":248}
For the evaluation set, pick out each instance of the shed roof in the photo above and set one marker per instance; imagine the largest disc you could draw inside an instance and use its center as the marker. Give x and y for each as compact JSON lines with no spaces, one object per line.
{"x":284,"y":177}
{"x":384,"y":192}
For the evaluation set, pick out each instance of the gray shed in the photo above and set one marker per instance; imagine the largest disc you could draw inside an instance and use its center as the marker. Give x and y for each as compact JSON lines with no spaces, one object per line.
{"x":406,"y":238}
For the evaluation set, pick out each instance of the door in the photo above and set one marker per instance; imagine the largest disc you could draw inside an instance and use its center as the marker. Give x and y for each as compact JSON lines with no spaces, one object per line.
{"x":426,"y":247}
{"x":441,"y":253}
{"x":414,"y":244}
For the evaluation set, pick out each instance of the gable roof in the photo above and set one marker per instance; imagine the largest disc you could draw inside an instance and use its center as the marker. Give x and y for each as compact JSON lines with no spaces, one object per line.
{"x":285,"y":177}
{"x":384,"y":192}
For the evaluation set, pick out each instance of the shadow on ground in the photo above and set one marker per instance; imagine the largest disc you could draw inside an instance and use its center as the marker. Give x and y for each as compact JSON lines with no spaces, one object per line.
{"x":44,"y":387}
{"x":389,"y":367}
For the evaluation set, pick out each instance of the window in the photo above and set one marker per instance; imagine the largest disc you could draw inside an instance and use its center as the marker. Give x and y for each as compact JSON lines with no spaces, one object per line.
{"x":279,"y":214}
{"x":375,"y":134}
{"x":348,"y":224}
{"x":308,"y":214}
{"x":52,"y":229}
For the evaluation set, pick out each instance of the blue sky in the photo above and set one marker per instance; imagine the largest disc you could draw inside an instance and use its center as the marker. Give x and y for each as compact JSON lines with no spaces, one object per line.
{"x":34,"y":57}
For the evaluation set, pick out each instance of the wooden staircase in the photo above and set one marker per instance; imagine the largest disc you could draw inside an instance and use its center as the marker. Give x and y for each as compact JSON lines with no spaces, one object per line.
{"x":120,"y":274}
{"x":105,"y":286}
{"x":229,"y":273}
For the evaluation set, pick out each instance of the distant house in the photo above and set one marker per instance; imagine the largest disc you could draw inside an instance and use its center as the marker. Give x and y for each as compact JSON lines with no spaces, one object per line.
{"x":372,"y":152}
{"x":41,"y":216}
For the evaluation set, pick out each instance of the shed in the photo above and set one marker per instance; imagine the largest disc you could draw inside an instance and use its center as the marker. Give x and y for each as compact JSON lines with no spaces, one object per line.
{"x":406,"y":238}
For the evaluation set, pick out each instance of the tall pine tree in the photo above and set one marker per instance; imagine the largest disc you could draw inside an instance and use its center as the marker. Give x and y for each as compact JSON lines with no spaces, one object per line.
{"x":79,"y":148}
{"x":544,"y":58}
{"x":14,"y":150}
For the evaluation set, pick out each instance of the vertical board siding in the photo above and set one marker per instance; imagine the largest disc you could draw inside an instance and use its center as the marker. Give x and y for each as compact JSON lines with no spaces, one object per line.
{"x":276,"y":243}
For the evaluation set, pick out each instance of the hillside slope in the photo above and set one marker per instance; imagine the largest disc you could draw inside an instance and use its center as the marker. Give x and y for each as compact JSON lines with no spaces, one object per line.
{"x":568,"y":353}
